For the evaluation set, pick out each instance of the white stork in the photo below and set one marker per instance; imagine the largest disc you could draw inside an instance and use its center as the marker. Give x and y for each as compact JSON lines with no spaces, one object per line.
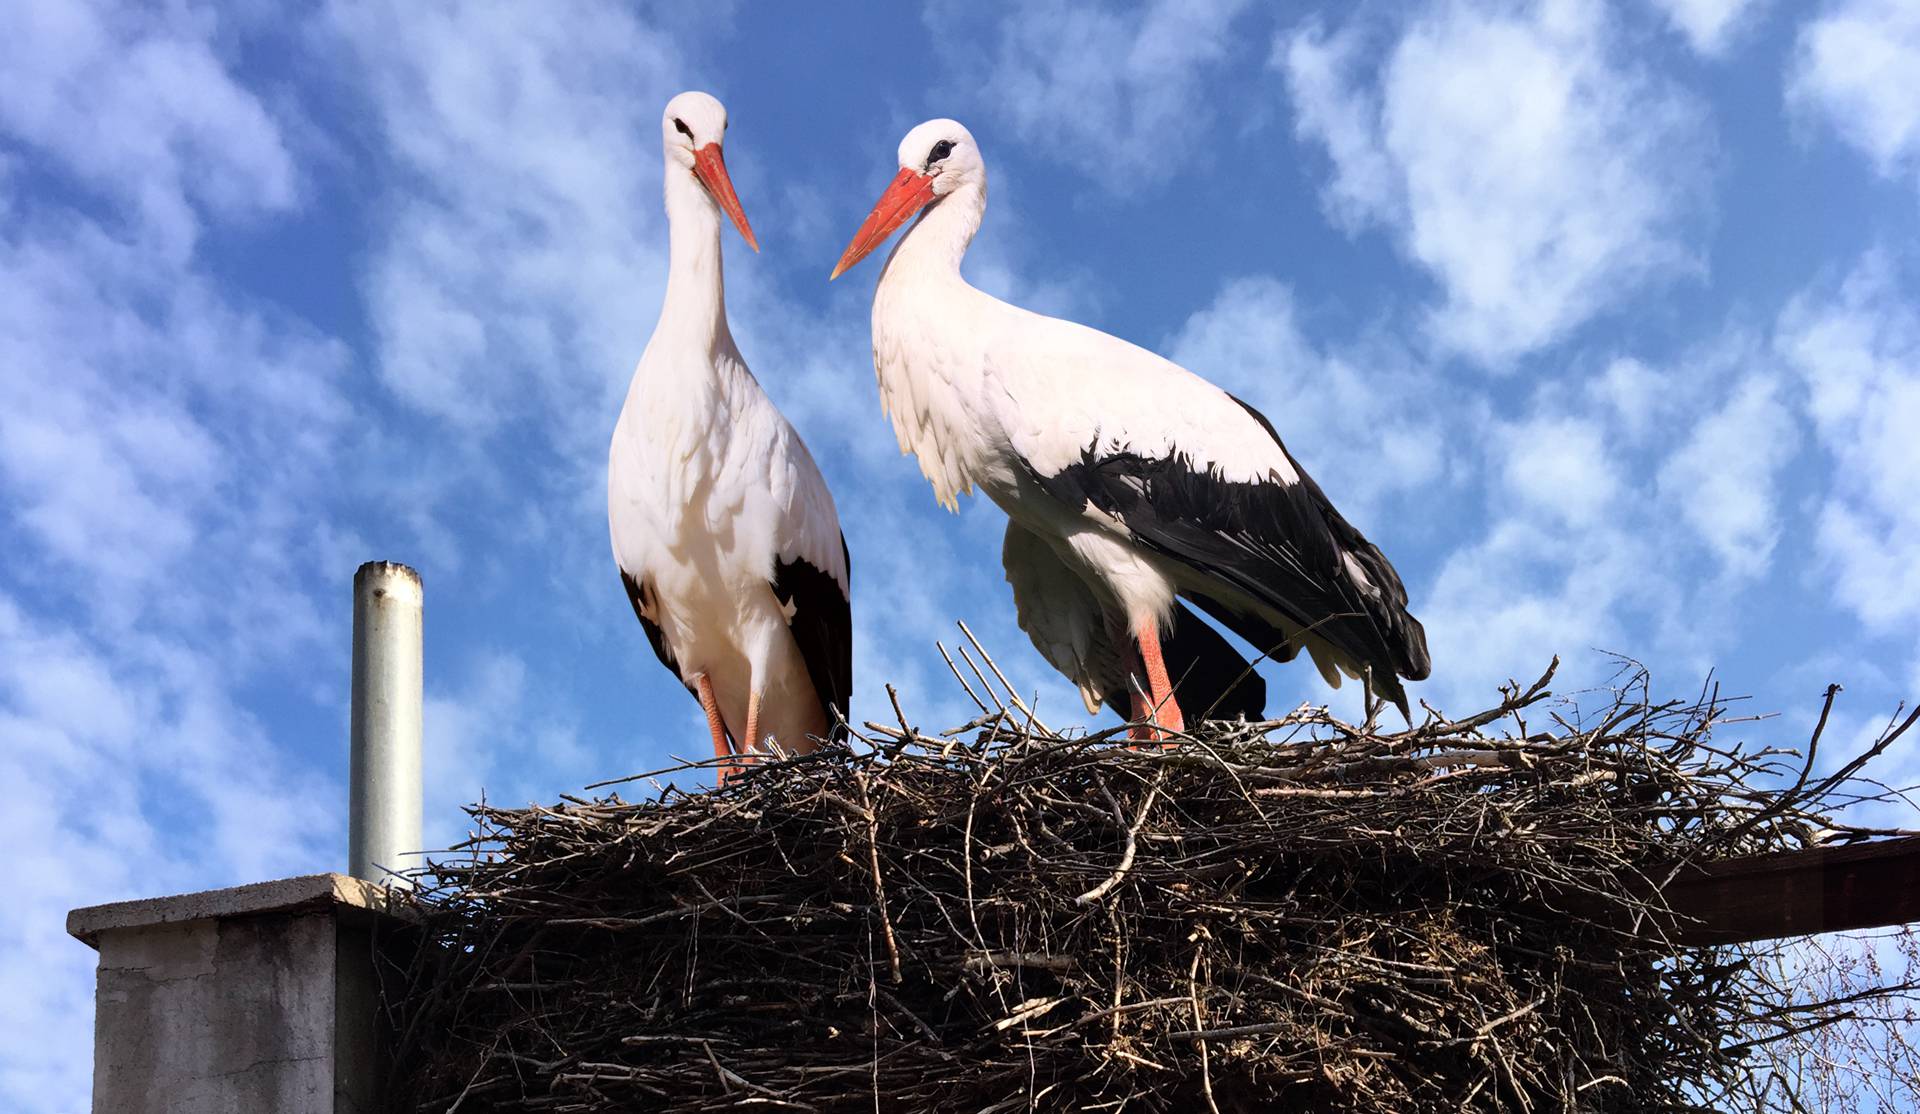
{"x":1117,"y":468}
{"x":724,"y":531}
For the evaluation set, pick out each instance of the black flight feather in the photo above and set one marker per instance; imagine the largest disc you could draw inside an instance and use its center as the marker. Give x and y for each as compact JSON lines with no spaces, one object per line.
{"x":1280,"y":543}
{"x":822,"y":626}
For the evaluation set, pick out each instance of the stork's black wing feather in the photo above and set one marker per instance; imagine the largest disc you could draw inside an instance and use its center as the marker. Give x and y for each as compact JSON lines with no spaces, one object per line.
{"x":637,"y":595}
{"x":821,"y":621}
{"x":1404,"y":634}
{"x":1277,"y":542}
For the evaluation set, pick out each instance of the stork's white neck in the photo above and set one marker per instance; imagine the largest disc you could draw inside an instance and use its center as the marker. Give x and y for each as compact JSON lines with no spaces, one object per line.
{"x":938,"y":240}
{"x":921,"y":307}
{"x":695,"y":306}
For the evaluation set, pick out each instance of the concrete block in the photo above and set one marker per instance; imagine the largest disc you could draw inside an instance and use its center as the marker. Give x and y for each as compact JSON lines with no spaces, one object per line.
{"x":256,"y":998}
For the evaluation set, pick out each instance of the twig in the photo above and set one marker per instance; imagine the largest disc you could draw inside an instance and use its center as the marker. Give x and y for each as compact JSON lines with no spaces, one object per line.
{"x":1127,"y":851}
{"x":879,"y":885}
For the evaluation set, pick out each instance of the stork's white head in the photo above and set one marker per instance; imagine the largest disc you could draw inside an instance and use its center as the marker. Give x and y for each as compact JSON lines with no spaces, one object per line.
{"x":944,"y":151}
{"x":936,"y":158}
{"x":691,"y":130}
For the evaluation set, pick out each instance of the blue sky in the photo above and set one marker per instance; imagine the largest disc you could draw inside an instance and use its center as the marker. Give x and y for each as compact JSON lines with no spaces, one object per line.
{"x":1602,"y":319}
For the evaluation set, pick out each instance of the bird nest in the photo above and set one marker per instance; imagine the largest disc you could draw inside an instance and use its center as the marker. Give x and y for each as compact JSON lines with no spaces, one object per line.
{"x":1301,"y":914}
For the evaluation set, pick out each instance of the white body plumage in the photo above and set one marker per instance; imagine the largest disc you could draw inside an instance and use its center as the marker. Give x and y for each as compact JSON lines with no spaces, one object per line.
{"x":721,"y":522}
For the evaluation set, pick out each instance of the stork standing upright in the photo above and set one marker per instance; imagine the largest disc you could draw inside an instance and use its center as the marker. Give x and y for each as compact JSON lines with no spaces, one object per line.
{"x":725,"y":534}
{"x":1144,"y":481}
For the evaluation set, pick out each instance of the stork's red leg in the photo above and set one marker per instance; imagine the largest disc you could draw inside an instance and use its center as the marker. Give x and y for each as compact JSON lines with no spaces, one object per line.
{"x":703,"y":688}
{"x":1166,"y":710}
{"x":752,"y":745}
{"x":1142,"y":712}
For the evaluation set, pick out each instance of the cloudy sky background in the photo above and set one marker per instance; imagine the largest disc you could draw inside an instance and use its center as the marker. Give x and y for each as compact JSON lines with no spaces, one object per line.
{"x":1603,"y":320}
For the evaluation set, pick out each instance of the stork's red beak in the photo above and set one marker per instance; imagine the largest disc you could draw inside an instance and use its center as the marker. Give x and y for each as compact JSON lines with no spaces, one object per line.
{"x":908,"y":194}
{"x":711,"y":169}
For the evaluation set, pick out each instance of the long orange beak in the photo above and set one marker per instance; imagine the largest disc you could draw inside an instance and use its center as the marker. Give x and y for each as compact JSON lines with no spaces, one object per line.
{"x":909,"y":193}
{"x":711,"y":169}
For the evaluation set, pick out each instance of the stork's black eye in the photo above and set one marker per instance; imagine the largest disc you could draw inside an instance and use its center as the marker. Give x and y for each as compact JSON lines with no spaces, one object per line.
{"x":940,"y":151}
{"x":682,"y":125}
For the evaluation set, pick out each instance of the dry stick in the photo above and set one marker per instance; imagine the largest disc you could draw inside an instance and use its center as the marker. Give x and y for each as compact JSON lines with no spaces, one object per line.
{"x":1204,"y":1035}
{"x":1033,"y":721}
{"x":1784,"y":799}
{"x":468,"y":1089}
{"x":1512,"y":703}
{"x":1230,"y":772}
{"x":879,"y":886}
{"x":1886,"y":739}
{"x":988,"y":961}
{"x":978,"y":703}
{"x":1127,"y":852}
{"x":966,"y":863}
{"x":718,"y":1071}
{"x":981,"y":676}
{"x":905,"y":727}
{"x":1130,"y":1007}
{"x":1514,"y":1015}
{"x":1199,"y":1021}
{"x":530,"y":869}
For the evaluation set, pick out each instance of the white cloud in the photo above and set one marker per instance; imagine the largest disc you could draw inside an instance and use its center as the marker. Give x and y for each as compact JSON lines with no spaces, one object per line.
{"x":1707,"y":24}
{"x":1558,"y":467}
{"x":111,"y":730}
{"x":491,"y":736}
{"x":1118,"y":94}
{"x":1554,"y":570}
{"x":1632,"y":393}
{"x":1636,"y":515}
{"x":105,"y":750}
{"x":1522,"y":157}
{"x":1559,"y":571}
{"x":136,"y":105}
{"x":1720,"y":426}
{"x":1505,"y":604}
{"x":165,"y":459}
{"x":1858,"y":66}
{"x":523,"y":256}
{"x":1857,"y":349}
{"x":1332,"y":109}
{"x":1723,"y":477}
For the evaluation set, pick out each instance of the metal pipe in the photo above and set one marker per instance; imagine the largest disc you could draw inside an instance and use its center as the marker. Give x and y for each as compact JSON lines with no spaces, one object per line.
{"x":383,"y":808}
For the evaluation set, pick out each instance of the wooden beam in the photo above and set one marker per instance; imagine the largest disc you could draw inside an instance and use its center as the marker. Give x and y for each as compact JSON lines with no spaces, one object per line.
{"x":1798,"y":893}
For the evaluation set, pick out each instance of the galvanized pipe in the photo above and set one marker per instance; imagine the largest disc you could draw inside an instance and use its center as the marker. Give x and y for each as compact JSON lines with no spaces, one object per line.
{"x":383,"y":808}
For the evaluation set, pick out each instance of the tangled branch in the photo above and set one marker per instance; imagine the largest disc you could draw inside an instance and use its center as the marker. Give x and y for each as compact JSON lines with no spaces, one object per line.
{"x":1300,"y":914}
